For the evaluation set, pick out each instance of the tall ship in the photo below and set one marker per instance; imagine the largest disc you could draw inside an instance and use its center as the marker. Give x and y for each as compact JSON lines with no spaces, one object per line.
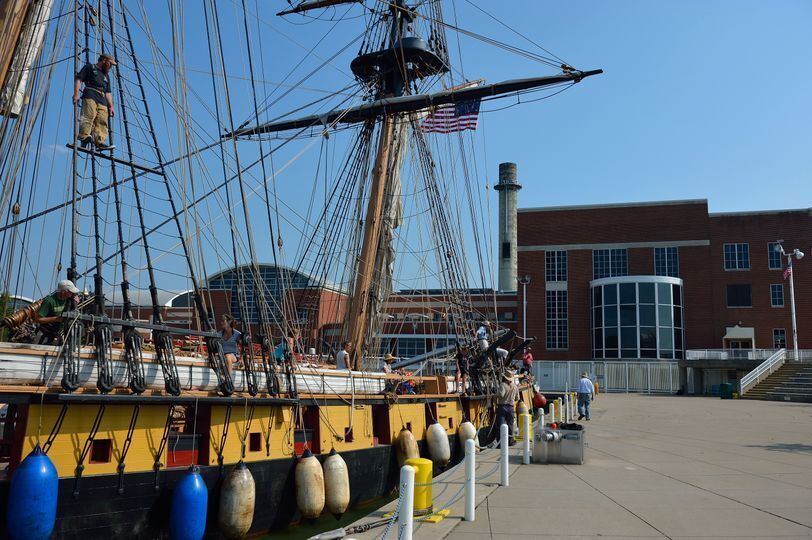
{"x":195,"y":259}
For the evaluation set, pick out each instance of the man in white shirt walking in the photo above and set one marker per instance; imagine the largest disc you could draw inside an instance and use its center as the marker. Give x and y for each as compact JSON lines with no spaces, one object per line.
{"x":586,"y":393}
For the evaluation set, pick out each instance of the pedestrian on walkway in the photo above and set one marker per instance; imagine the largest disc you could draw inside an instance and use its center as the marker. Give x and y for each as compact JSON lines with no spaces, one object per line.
{"x":586,"y":393}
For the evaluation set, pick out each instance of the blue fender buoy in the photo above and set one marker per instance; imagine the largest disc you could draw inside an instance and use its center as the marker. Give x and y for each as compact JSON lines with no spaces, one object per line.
{"x":32,"y":498}
{"x":190,"y":498}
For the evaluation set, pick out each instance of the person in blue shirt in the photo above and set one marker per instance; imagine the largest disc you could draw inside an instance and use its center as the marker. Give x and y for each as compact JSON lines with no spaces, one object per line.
{"x":231,"y":337}
{"x":586,"y":393}
{"x":483,"y":335}
{"x":286,"y":347}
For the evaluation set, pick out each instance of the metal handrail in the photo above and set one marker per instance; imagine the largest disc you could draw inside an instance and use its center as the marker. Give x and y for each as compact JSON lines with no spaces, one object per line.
{"x":726,"y":354}
{"x":764,"y":370}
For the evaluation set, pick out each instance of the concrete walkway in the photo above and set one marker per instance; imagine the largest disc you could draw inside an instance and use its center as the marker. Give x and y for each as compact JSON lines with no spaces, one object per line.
{"x":656,"y":467}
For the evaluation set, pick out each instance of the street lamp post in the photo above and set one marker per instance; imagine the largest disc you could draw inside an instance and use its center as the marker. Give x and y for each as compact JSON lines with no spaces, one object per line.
{"x":798,"y":254}
{"x":525,"y":281}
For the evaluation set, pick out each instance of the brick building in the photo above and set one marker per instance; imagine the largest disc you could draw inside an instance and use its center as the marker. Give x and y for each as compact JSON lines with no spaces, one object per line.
{"x":652,"y":280}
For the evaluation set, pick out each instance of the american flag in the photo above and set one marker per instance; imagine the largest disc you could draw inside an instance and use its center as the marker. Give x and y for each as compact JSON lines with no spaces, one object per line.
{"x":788,"y":271}
{"x":452,"y":117}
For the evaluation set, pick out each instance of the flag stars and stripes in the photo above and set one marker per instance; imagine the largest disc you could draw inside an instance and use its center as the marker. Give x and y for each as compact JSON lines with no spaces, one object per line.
{"x":452,"y":117}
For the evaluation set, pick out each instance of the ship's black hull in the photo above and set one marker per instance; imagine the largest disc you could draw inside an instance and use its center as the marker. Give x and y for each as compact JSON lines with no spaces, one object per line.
{"x":141,"y":511}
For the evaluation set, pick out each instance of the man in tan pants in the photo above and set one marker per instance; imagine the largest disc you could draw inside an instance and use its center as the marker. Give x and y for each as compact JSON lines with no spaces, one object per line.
{"x":97,"y":102}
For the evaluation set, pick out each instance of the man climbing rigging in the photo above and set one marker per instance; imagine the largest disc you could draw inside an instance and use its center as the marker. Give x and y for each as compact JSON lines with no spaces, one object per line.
{"x":97,"y":102}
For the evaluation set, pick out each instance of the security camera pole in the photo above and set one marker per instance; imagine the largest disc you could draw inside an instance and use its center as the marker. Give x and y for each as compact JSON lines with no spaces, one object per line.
{"x":798,"y":254}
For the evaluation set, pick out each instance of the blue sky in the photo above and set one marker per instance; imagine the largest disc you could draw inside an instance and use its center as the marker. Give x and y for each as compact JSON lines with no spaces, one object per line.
{"x":699,"y":99}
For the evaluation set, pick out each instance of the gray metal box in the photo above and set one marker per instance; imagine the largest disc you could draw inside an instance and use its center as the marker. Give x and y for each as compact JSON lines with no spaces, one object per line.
{"x":567,"y":446}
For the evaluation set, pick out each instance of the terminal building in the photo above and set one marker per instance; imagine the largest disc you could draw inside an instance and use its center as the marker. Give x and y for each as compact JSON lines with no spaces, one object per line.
{"x":654,"y":280}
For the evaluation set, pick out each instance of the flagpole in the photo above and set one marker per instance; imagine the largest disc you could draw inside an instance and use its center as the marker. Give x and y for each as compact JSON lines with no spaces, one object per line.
{"x":792,"y":307}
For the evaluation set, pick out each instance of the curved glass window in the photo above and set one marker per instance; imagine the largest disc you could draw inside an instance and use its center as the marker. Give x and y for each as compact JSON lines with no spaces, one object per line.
{"x":637,"y":317}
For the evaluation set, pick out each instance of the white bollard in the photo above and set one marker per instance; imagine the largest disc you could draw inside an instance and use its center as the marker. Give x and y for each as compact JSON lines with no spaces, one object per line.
{"x":541,"y":417}
{"x":470,"y":480}
{"x":560,"y":410}
{"x":406,"y":515}
{"x":526,"y":441}
{"x":503,"y":446}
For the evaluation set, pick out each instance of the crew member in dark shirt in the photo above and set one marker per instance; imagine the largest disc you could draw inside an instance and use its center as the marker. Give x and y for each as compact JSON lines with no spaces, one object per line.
{"x":97,"y":102}
{"x":49,"y":315}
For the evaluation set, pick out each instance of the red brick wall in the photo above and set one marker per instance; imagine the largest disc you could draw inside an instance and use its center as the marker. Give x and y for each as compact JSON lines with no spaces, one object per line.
{"x":701,"y":267}
{"x":795,"y":228}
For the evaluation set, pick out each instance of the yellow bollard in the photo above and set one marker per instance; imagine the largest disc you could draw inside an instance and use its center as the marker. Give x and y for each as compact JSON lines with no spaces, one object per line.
{"x":423,"y":503}
{"x":521,"y":427}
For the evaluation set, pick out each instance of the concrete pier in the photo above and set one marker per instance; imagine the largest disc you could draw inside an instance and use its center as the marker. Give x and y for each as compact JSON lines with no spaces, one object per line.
{"x":656,"y":467}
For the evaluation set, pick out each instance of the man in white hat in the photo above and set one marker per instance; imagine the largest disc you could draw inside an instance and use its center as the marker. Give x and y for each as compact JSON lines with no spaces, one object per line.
{"x":49,"y":314}
{"x":506,"y":399}
{"x":586,"y":393}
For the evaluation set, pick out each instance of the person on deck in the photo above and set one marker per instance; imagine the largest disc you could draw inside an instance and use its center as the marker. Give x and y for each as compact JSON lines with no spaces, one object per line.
{"x":483,"y":335}
{"x":286,"y":348}
{"x":586,"y":393}
{"x":527,"y":361}
{"x":231,"y":337}
{"x":49,"y":316}
{"x":388,"y":360}
{"x":506,"y":399}
{"x":343,"y":356}
{"x":463,"y":367}
{"x":97,"y":102}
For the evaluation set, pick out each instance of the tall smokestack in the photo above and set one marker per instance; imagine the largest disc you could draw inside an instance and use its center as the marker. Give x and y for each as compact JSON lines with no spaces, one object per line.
{"x":507,"y":187}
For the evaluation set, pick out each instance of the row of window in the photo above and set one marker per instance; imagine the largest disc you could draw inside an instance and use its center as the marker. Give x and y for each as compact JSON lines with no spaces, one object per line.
{"x":740,"y":295}
{"x":615,"y":262}
{"x":610,"y":263}
{"x":737,"y":256}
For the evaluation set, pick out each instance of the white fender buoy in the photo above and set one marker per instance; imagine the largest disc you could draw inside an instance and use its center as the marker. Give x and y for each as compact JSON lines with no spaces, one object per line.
{"x":406,"y":446}
{"x":439,"y":449}
{"x":237,"y":500}
{"x":336,"y":484}
{"x":309,"y":486}
{"x":465,"y":432}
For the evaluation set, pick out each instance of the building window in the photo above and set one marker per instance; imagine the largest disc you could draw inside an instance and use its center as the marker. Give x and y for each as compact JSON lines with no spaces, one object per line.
{"x":666,"y":261}
{"x":779,"y":338}
{"x":774,"y":255}
{"x":555,"y":265}
{"x":409,"y":347}
{"x":609,"y":263}
{"x":739,"y":296}
{"x":638,"y":320}
{"x":737,"y":256}
{"x":557,"y":331}
{"x":777,"y":295}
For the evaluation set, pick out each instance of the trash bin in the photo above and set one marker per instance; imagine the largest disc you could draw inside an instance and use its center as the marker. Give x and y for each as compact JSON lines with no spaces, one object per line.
{"x":726,"y":391}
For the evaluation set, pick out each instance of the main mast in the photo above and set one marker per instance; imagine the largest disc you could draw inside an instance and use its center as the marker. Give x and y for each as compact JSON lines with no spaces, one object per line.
{"x":389,"y":72}
{"x":388,"y":67}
